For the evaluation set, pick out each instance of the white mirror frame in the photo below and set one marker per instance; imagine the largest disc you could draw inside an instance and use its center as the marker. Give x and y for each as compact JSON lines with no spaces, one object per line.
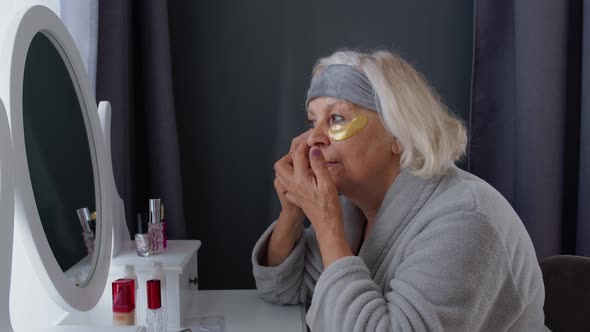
{"x":28,"y":229}
{"x":120,"y":231}
{"x":6,"y":218}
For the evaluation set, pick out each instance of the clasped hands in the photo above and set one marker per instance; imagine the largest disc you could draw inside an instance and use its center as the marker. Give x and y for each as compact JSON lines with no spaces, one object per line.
{"x":305,"y":188}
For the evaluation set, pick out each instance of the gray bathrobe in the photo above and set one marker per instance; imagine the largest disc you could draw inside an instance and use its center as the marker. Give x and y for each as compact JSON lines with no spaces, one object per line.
{"x":445,"y":254}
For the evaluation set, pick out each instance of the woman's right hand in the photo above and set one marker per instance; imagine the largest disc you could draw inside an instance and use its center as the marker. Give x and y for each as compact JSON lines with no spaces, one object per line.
{"x":290,"y":223}
{"x":290,"y":210}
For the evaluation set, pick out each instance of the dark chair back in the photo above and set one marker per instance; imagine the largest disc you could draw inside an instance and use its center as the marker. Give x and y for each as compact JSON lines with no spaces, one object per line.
{"x":567,"y":292}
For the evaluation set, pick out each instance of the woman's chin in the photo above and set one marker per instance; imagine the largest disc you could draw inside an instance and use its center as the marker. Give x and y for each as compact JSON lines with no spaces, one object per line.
{"x":336,"y":173}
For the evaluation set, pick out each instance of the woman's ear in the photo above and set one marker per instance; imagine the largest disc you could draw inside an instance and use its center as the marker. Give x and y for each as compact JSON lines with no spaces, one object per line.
{"x":396,"y":147}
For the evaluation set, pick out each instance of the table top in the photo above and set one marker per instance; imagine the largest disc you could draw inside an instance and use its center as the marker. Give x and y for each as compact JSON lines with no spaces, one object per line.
{"x":245,"y":311}
{"x":242,"y":311}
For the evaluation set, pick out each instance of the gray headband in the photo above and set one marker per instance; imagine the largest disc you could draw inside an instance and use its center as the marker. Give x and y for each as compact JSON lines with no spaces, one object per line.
{"x":343,"y":82}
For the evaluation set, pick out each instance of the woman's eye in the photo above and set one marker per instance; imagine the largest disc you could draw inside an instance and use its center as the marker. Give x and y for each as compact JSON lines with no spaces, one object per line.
{"x":336,"y":119}
{"x":311,"y":123}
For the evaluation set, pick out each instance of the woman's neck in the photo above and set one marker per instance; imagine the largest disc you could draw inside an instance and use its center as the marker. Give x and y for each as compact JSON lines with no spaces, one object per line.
{"x":370,"y":197}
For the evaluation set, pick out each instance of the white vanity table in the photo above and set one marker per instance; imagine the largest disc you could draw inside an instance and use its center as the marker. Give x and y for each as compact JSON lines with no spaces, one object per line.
{"x":43,"y":296}
{"x":241,"y":310}
{"x":244,"y":311}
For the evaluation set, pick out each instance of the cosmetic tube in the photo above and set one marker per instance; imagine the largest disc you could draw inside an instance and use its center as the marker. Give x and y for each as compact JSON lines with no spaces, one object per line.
{"x":123,"y":291}
{"x":155,"y":227}
{"x":155,"y":319}
{"x":85,"y":217}
{"x":142,"y":239}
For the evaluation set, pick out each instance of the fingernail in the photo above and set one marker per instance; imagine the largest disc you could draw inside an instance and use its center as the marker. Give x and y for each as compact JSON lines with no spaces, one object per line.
{"x":315,"y":152}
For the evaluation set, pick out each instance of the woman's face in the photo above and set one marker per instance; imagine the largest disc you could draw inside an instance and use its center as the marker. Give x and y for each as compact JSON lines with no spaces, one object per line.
{"x":368,"y":157}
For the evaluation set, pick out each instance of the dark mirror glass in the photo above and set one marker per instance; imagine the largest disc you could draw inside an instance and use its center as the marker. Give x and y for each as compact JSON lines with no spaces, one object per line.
{"x":59,"y":158}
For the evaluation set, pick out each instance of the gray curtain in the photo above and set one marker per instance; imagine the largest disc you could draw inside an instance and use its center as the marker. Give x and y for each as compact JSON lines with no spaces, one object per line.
{"x":134,"y":73}
{"x":81,"y":19}
{"x":530,"y":117}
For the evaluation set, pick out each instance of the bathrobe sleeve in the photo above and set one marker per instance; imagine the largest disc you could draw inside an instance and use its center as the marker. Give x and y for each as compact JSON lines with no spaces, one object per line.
{"x":292,"y":281}
{"x":453,"y":276}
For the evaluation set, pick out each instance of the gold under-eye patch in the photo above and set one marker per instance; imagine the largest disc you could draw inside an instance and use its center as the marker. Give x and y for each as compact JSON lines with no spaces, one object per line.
{"x":342,"y":132}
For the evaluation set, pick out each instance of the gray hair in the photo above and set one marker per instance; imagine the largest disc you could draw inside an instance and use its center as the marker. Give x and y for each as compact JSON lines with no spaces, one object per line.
{"x":432,"y":138}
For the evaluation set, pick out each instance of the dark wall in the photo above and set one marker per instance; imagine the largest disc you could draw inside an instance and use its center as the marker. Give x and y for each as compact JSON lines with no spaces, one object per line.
{"x":241,"y":70}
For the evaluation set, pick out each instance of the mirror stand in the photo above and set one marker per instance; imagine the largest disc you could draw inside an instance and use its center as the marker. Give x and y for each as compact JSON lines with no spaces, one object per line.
{"x":6,"y":218}
{"x":121,"y":235}
{"x":40,"y":291}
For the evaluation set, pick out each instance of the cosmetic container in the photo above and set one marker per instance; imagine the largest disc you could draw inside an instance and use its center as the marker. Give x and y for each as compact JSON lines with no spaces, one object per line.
{"x":123,"y":291}
{"x":87,"y":234}
{"x":155,"y":227}
{"x":155,"y":319}
{"x":142,"y":239}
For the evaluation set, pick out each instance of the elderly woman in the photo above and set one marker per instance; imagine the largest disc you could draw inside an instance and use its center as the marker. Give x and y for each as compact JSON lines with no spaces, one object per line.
{"x":400,"y":238}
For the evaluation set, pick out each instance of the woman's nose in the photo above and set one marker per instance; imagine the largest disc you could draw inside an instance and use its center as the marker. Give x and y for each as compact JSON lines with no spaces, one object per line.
{"x":318,"y":136}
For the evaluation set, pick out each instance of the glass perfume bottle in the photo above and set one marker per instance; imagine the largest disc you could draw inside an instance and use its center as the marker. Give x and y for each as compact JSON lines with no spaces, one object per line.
{"x":89,"y":242}
{"x":87,"y":234}
{"x":142,"y":239}
{"x":155,"y":227}
{"x":155,"y":320}
{"x":163,"y":219}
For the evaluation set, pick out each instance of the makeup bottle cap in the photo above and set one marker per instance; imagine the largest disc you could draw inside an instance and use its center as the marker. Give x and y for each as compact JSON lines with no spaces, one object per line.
{"x":154,"y":204}
{"x":85,"y":217}
{"x":154,"y":298}
{"x":141,"y":223}
{"x":123,"y":295}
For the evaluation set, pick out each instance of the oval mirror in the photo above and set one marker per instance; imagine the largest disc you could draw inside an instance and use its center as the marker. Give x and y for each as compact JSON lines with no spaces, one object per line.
{"x":63,"y":201}
{"x":59,"y":157}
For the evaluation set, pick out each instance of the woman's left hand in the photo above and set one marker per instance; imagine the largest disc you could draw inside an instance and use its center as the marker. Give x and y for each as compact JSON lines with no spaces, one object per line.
{"x":310,"y":186}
